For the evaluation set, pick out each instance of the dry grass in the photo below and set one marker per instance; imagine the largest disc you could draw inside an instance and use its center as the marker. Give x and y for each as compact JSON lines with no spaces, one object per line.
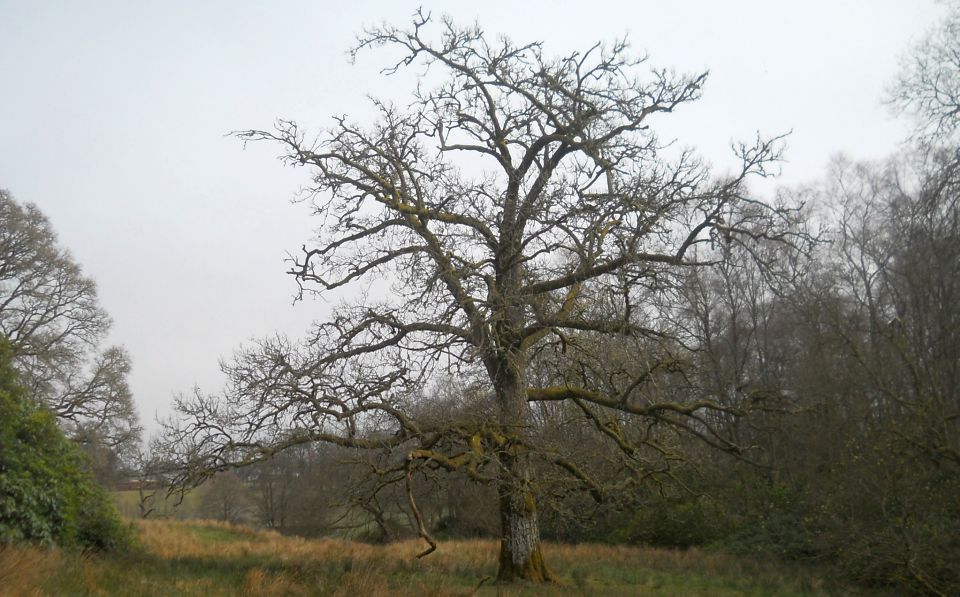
{"x":23,"y":569}
{"x":205,"y":539}
{"x":209,"y":559}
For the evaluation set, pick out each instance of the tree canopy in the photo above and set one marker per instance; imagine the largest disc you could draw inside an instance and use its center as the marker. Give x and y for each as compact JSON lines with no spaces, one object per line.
{"x":534,"y":234}
{"x":50,"y":314}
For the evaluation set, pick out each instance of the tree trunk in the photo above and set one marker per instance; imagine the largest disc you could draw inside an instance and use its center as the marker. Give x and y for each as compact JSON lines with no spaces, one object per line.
{"x":520,"y":555}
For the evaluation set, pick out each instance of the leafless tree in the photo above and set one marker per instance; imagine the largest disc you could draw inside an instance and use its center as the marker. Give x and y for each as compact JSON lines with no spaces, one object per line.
{"x":521,"y":211}
{"x":225,"y":498}
{"x":899,"y":246}
{"x":928,"y":87}
{"x":50,"y":314}
{"x":901,"y":235}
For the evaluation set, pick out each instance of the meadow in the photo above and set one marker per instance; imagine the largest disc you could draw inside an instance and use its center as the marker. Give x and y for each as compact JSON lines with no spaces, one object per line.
{"x":164,"y":505}
{"x":203,"y":558}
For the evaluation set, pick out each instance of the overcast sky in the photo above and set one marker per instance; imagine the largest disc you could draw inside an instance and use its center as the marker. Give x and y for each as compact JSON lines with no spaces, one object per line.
{"x":113,"y":118}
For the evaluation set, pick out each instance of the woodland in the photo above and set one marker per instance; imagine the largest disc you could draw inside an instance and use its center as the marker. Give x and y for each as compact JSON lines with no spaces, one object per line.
{"x":553,"y":327}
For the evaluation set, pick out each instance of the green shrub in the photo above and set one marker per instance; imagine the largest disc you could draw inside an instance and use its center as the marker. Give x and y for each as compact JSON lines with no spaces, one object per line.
{"x":771,"y":519}
{"x":678,"y":521}
{"x":46,"y":494}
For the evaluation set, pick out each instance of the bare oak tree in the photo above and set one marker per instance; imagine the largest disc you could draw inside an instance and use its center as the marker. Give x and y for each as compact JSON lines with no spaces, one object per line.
{"x":51,"y":316}
{"x":525,"y":217}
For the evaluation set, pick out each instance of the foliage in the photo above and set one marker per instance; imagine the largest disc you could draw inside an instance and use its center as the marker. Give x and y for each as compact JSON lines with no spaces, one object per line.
{"x":46,"y":494}
{"x":674,"y":522}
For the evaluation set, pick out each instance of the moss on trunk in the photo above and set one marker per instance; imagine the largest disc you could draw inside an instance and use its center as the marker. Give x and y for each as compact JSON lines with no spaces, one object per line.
{"x":521,"y":557}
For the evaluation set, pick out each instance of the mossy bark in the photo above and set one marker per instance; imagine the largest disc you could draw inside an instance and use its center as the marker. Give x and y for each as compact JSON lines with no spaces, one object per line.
{"x":521,"y":558}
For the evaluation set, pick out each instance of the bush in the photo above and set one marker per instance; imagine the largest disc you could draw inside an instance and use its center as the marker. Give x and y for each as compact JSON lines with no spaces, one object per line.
{"x":680,"y":521}
{"x":46,"y":494}
{"x":770,"y":519}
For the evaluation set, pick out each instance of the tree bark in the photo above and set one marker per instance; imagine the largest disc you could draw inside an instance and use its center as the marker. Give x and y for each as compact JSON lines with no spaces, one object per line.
{"x":520,"y":553}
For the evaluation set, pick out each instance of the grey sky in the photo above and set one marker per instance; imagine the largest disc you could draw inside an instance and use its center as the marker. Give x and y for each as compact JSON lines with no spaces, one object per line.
{"x":113,"y":116}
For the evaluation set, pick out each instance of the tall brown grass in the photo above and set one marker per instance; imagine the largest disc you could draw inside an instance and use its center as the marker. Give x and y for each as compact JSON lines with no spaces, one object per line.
{"x":186,"y":539}
{"x":208,"y":559}
{"x":23,"y":569}
{"x":369,"y":566}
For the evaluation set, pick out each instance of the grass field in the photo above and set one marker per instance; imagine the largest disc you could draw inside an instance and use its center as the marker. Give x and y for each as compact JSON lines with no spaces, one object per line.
{"x":164,"y":506}
{"x":210,"y":559}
